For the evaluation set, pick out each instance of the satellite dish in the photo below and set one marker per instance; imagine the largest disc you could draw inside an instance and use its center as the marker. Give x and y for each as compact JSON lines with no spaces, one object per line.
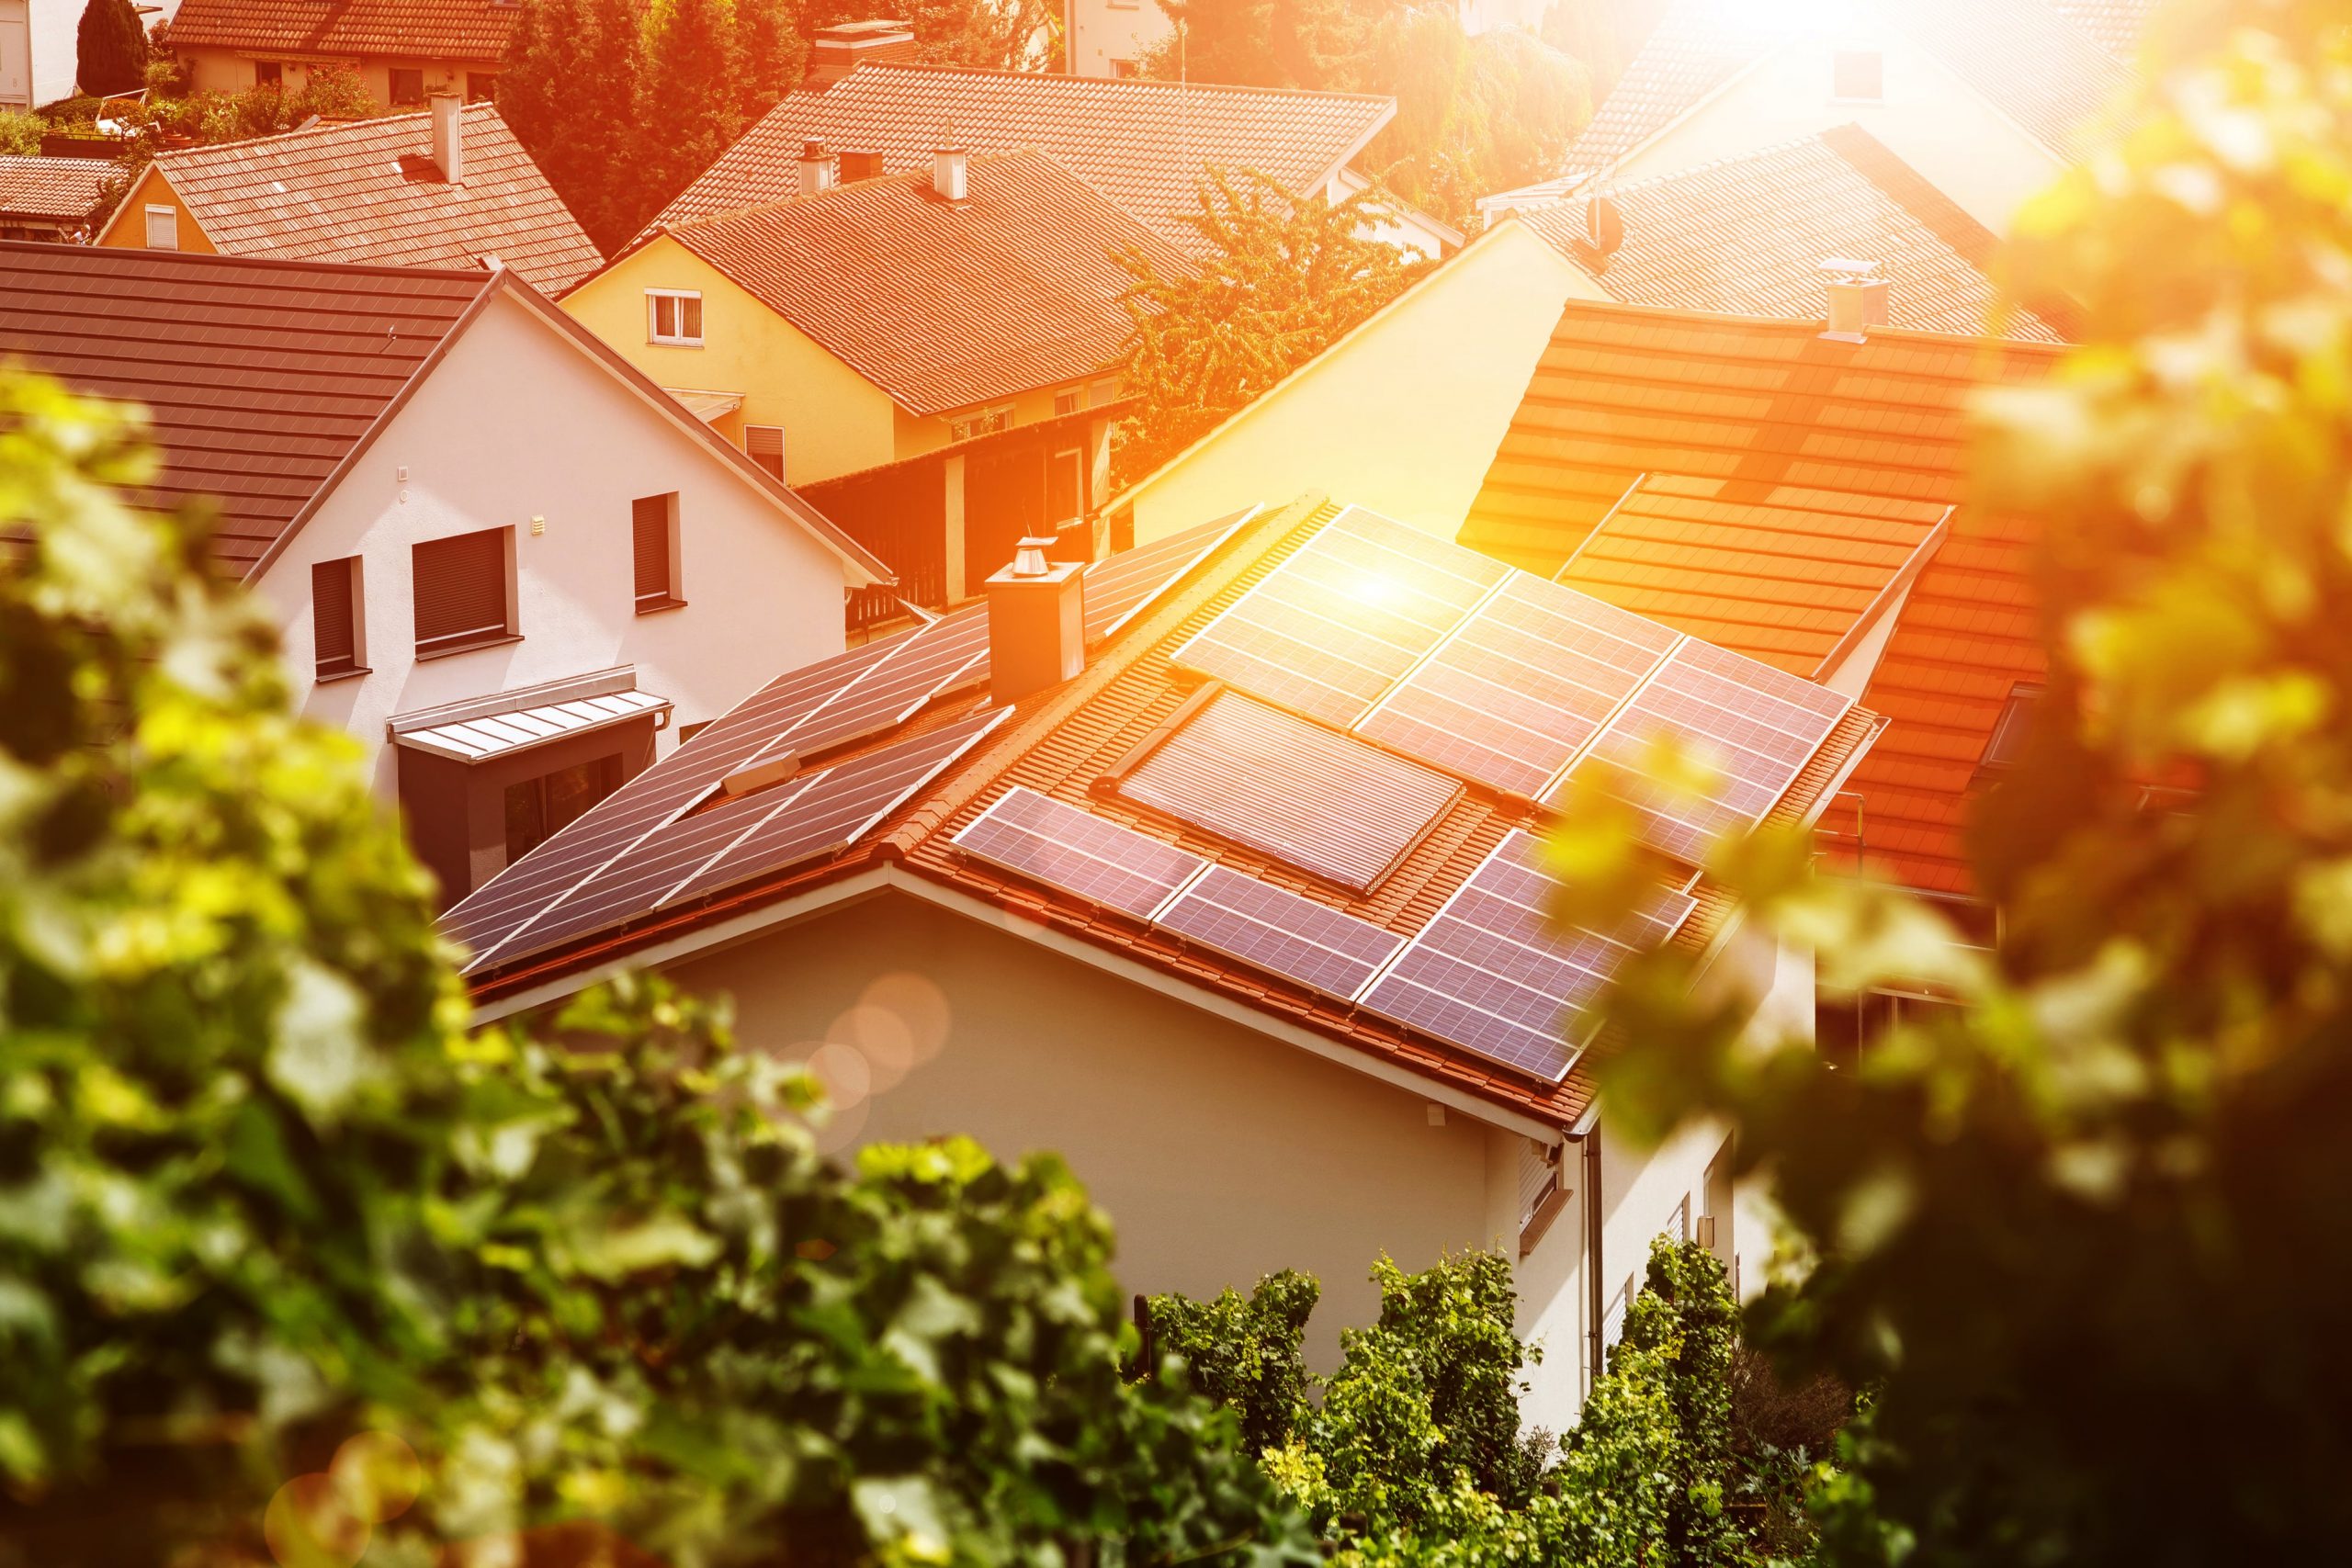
{"x":1604,"y":226}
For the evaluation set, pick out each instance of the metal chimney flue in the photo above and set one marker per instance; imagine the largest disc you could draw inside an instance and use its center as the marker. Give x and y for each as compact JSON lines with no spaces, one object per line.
{"x":1036,"y":622}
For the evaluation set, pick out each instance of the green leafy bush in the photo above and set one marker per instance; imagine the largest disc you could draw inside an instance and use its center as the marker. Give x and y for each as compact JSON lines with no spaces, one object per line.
{"x":20,"y":133}
{"x":1244,"y":1353}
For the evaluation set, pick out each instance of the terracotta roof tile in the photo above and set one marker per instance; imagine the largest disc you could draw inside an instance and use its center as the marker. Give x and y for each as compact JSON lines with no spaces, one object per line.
{"x":1143,"y":145}
{"x":259,"y":376}
{"x":363,"y":30}
{"x":53,"y":189}
{"x":370,"y":192}
{"x":944,"y":306}
{"x":1747,"y":236}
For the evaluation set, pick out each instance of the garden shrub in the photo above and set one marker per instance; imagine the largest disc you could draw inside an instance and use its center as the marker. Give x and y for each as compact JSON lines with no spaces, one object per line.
{"x":1244,"y":1353}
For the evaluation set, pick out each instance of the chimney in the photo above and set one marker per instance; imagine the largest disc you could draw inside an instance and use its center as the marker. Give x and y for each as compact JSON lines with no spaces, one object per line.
{"x":1036,"y":622}
{"x":860,"y":165}
{"x":1856,"y":298}
{"x":950,"y":174}
{"x":837,"y":50}
{"x":815,"y":168}
{"x":449,"y":136}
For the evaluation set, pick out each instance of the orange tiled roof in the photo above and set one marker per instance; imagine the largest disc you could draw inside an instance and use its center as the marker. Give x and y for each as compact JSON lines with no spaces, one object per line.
{"x":2024,"y":58}
{"x":1752,"y":429}
{"x":349,"y":29}
{"x":1065,"y":743}
{"x":51,"y":189}
{"x":943,"y":306}
{"x":1143,"y":145}
{"x":369,"y":192}
{"x":1747,"y":236}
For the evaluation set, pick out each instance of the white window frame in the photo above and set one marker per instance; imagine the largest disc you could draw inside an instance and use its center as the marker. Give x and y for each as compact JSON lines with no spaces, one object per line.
{"x":979,"y":422}
{"x":170,"y":217}
{"x":679,"y":339}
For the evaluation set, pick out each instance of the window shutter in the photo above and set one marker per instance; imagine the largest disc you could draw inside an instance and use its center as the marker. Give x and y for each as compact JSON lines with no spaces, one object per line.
{"x":763,"y":444}
{"x":650,"y":532}
{"x":334,"y":616}
{"x":461,"y":589}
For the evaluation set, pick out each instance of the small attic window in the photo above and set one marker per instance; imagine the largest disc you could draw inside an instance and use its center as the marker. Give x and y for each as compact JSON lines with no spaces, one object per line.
{"x":1857,"y":76}
{"x":2008,"y":742}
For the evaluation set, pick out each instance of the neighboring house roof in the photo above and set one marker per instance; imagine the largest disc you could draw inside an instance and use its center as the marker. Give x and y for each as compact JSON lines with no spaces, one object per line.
{"x":1792,"y":481}
{"x":944,"y":305}
{"x":2117,"y":26}
{"x":388,"y":30}
{"x":370,"y":192}
{"x":1141,"y":144}
{"x":2020,"y":55}
{"x":56,"y":190}
{"x":264,"y":381}
{"x":835,"y":792}
{"x":1747,"y":236}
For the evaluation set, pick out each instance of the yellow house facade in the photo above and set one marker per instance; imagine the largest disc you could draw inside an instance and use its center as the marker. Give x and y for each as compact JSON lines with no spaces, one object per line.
{"x":154,"y":218}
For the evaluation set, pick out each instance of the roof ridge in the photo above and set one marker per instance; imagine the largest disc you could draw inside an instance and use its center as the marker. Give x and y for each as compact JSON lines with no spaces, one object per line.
{"x":1599,"y":184}
{"x":1117,"y":84}
{"x":874,"y":181}
{"x":1811,"y":326}
{"x":109,"y":255}
{"x":365,"y":122}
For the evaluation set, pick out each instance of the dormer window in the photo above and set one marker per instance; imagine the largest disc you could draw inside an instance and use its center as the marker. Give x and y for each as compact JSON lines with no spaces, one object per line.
{"x":2007,"y":745}
{"x":674,"y":315}
{"x":1858,"y":76}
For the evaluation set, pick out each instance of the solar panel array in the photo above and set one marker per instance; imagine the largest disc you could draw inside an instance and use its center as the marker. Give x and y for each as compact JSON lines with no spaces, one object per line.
{"x":1037,"y":837}
{"x":1757,"y":726}
{"x":1296,"y":791}
{"x":1275,"y":929}
{"x":1492,"y":973}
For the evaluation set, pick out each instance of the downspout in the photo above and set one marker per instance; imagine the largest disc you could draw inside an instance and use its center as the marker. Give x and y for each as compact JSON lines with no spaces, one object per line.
{"x":1590,"y":1140}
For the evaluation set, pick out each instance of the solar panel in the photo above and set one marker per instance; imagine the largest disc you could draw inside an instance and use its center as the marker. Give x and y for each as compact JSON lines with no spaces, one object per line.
{"x":1492,"y":974}
{"x":1041,"y":839}
{"x":1338,"y":622}
{"x":1520,"y":687}
{"x":1298,"y":792}
{"x":1278,"y":932}
{"x":1757,"y":726}
{"x":946,"y":656}
{"x":1120,"y":586}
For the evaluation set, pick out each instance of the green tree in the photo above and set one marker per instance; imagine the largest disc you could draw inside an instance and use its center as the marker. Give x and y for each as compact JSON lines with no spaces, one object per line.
{"x":20,"y":134}
{"x":2083,"y":1230}
{"x":1267,"y":43}
{"x":110,"y":48}
{"x":1244,"y":1353}
{"x":570,"y":89}
{"x":773,"y":55}
{"x":995,"y":35}
{"x":1284,"y":277}
{"x":694,"y":94}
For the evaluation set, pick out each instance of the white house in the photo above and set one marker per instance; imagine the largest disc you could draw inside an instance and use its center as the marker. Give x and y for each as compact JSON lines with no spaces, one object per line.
{"x":1206,"y":867}
{"x":39,"y":53}
{"x":514,"y":568}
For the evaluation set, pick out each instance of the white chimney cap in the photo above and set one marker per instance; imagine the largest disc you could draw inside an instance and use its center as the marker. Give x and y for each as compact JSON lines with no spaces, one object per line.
{"x":1029,"y":556}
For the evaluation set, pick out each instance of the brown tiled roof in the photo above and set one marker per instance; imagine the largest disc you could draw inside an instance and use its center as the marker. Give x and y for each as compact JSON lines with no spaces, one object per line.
{"x":349,"y":29}
{"x":370,"y":192}
{"x":2019,"y":54}
{"x":1063,"y":742}
{"x":1764,"y":420}
{"x":944,"y":306}
{"x":1747,"y":236}
{"x":260,"y":375}
{"x":54,"y":189}
{"x":1141,"y":144}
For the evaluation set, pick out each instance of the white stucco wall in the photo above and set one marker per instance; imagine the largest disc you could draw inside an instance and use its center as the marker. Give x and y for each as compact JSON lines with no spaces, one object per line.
{"x":1100,"y":32}
{"x":1931,"y":119}
{"x":515,"y":422}
{"x":1403,"y":416}
{"x":39,"y":52}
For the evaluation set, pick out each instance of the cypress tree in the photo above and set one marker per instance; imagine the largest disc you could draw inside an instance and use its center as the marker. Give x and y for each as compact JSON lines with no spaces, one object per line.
{"x":110,"y":48}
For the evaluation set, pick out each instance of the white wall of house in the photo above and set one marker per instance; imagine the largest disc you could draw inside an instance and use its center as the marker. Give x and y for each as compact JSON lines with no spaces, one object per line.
{"x":1404,"y":229}
{"x":1100,"y":34}
{"x":39,"y":52}
{"x":514,"y":424}
{"x":1929,"y":118}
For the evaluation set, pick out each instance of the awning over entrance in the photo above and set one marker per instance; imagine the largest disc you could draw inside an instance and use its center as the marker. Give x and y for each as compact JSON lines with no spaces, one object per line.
{"x":707,"y":406}
{"x":478,"y":731}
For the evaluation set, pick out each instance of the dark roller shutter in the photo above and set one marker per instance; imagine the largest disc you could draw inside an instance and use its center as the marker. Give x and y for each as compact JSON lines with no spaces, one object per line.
{"x":334,"y":616}
{"x":763,"y":444}
{"x":461,"y":589}
{"x":650,"y":532}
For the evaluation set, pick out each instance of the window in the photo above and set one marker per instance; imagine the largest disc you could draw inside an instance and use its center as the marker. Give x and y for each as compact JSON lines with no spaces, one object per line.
{"x":163,"y":228}
{"x":1123,"y":69}
{"x":538,"y":810}
{"x":1677,"y":1224}
{"x":1857,"y":76}
{"x":1066,"y":485}
{"x":1612,"y":1322}
{"x":408,"y":86}
{"x":1103,"y":393}
{"x":269,"y":73}
{"x":763,"y":444}
{"x":1845,"y":1026}
{"x":1068,"y":403}
{"x":988,"y":422}
{"x":337,"y":624}
{"x":482,"y":87}
{"x":674,"y":315}
{"x":465,"y":591}
{"x":653,"y":538}
{"x":688,"y":731}
{"x":2008,"y":741}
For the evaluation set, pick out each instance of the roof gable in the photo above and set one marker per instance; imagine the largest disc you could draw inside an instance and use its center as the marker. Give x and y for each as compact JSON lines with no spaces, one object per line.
{"x":943,"y":305}
{"x":368,"y":193}
{"x":1142,"y":144}
{"x":309,"y":29}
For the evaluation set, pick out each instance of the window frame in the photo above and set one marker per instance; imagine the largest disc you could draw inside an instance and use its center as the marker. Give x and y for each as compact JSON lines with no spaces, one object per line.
{"x":482,"y":86}
{"x":670,"y":595}
{"x":171,"y":215}
{"x":1071,"y":401}
{"x":470,"y":639}
{"x":1076,"y":458}
{"x":269,"y":74}
{"x":783,"y":451}
{"x":608,"y":774}
{"x":392,"y":75}
{"x":354,"y":662}
{"x":1839,"y":60}
{"x":680,"y":339}
{"x":971,"y":426}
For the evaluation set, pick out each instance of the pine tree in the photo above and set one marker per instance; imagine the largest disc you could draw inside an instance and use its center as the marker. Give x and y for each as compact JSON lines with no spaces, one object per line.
{"x":110,"y":48}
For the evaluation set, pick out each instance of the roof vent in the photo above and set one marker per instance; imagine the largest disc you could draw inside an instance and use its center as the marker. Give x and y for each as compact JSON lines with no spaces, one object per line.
{"x":835,"y":51}
{"x":1856,"y":298}
{"x":1036,"y":622}
{"x":951,"y":174}
{"x":815,"y":168}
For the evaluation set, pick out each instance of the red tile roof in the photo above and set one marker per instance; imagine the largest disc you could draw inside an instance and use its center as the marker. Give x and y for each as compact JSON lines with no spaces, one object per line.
{"x":349,"y":29}
{"x":944,"y":306}
{"x":1747,"y":236}
{"x":1062,"y":742}
{"x":370,"y":192}
{"x":2019,"y":54}
{"x":58,"y":191}
{"x":1143,"y":145}
{"x":1785,"y":432}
